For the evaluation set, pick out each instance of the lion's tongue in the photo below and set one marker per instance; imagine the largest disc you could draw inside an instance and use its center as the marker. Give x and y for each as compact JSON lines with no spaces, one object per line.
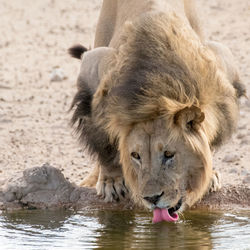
{"x":163,"y":214}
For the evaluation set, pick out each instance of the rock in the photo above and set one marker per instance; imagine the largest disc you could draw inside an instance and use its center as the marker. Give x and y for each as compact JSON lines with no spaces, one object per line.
{"x":57,"y":75}
{"x":46,"y":187}
{"x":37,"y":179}
{"x":231,"y":158}
{"x":75,"y":195}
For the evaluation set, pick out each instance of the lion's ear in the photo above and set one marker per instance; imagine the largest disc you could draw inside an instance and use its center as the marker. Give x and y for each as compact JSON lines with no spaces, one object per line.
{"x":189,"y":118}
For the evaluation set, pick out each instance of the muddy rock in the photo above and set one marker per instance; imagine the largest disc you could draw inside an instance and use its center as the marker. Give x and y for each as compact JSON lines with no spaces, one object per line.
{"x":38,"y":184}
{"x":46,"y":187}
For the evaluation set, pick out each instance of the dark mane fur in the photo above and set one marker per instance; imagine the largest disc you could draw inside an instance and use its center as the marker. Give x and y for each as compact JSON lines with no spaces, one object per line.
{"x":90,"y":134}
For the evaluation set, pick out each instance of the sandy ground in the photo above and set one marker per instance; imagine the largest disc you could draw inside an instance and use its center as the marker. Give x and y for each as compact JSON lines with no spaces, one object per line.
{"x":34,"y":123}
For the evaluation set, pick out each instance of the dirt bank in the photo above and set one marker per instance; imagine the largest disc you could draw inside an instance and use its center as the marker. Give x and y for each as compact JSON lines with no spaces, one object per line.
{"x":46,"y":187}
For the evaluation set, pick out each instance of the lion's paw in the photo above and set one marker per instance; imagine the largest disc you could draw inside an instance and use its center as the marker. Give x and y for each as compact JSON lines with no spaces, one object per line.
{"x":215,"y":183}
{"x":111,"y":188}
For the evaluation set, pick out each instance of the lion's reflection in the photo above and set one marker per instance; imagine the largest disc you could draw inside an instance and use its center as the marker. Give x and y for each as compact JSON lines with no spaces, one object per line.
{"x":135,"y":230}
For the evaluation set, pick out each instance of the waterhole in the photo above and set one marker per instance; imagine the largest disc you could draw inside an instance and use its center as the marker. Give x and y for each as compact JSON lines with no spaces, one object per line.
{"x":64,"y":229}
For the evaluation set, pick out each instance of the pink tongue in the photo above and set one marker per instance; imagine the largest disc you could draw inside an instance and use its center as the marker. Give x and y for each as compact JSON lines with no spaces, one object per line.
{"x":163,"y":214}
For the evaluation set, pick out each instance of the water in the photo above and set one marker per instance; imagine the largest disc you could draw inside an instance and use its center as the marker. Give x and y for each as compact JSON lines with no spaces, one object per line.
{"x":64,"y":229}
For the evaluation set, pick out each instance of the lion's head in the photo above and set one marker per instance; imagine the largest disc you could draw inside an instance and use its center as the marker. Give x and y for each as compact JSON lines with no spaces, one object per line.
{"x":162,"y":166}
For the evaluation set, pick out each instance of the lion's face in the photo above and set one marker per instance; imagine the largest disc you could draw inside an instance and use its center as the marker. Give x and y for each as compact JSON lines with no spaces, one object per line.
{"x":161,"y":172}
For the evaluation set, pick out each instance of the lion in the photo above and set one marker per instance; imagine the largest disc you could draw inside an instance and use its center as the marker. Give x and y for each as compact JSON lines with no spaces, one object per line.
{"x":154,"y":100}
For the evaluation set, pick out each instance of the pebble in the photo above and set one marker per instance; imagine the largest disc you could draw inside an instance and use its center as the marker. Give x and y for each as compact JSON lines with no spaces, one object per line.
{"x":242,"y":114}
{"x":233,"y":171}
{"x":246,"y":180}
{"x":57,"y":75}
{"x":241,"y":135}
{"x":244,"y":173}
{"x":231,"y":158}
{"x":245,"y":142}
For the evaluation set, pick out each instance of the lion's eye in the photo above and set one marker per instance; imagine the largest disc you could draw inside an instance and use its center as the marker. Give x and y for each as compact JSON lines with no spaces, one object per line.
{"x":168,"y":155}
{"x":135,"y":155}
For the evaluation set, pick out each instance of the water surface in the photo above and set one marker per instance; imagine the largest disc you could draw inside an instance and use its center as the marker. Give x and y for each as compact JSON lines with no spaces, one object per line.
{"x":64,"y":229}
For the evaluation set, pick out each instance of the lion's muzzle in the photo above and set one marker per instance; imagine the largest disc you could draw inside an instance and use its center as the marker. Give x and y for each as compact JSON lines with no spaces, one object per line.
{"x":153,"y":199}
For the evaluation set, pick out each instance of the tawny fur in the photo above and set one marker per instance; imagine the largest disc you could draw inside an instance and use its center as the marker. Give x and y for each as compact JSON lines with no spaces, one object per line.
{"x":161,"y":71}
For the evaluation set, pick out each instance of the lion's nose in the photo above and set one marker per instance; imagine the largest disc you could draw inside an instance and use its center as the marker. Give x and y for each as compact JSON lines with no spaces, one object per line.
{"x":153,"y":199}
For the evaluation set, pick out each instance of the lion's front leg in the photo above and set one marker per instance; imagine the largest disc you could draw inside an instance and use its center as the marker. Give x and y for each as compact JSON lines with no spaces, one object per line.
{"x":110,"y":185}
{"x":91,"y":179}
{"x":215,"y":183}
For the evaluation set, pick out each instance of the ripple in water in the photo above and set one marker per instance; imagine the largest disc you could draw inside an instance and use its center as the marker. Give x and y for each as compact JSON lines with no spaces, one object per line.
{"x":64,"y":229}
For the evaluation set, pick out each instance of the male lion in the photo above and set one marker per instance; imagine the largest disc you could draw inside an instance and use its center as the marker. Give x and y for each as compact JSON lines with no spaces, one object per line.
{"x":154,"y":100}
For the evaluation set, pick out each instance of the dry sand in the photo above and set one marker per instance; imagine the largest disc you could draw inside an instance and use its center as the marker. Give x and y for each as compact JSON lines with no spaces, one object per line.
{"x":34,"y":123}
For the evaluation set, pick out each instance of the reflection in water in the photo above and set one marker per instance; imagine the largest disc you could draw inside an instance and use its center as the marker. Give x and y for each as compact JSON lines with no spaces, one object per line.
{"x":64,"y":229}
{"x":136,"y":231}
